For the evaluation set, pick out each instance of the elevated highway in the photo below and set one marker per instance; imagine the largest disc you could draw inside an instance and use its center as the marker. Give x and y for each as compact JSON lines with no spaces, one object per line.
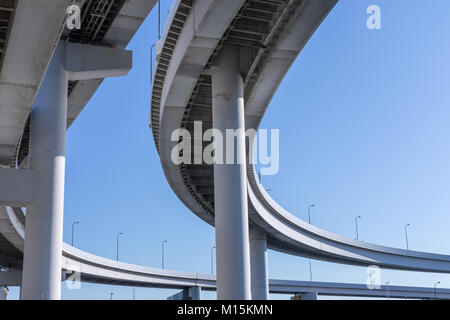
{"x":54,"y":71}
{"x":25,"y":59}
{"x":195,"y":57}
{"x":99,"y":270}
{"x":218,"y":62}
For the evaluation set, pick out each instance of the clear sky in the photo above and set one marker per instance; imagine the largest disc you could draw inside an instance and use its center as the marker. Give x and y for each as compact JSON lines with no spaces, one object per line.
{"x":363,"y":118}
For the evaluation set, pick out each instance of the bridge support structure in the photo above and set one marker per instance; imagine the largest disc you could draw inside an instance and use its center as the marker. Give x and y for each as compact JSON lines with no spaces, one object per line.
{"x":11,"y":278}
{"x":44,"y":221}
{"x":4,"y":292}
{"x":230,"y":180}
{"x":192,"y":293}
{"x":259,"y":265}
{"x":305,"y":296}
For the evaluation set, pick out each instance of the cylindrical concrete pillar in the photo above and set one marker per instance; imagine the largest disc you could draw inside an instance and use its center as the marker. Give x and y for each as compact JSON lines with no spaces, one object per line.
{"x":44,"y":219}
{"x":259,"y":265}
{"x":4,"y":292}
{"x":230,"y":181}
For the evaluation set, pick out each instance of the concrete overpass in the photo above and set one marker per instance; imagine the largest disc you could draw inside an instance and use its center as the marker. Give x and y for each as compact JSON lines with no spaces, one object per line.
{"x":218,"y":62}
{"x":80,"y":60}
{"x":221,"y":64}
{"x":25,"y":57}
{"x":95,"y":269}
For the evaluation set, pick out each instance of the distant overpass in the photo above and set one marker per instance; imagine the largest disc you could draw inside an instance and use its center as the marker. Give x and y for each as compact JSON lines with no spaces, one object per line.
{"x":100,"y":270}
{"x":96,"y":269}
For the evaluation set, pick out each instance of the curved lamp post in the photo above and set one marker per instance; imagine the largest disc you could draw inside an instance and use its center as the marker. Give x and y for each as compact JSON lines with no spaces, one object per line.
{"x":162,"y":253}
{"x":435,"y":293}
{"x":406,"y":235}
{"x":356,"y":225}
{"x":387,"y":289}
{"x":117,"y":245}
{"x":73,"y":226}
{"x":212,"y":260}
{"x":309,"y":221}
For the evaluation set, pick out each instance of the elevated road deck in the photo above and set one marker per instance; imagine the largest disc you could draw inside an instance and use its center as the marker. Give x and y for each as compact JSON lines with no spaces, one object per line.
{"x":269,"y":35}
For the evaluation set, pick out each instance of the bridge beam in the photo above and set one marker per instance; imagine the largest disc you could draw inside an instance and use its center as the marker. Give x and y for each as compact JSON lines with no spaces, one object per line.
{"x":230,"y":181}
{"x":16,"y":189}
{"x":192,"y":293}
{"x":11,"y":278}
{"x":305,"y":296}
{"x":4,"y":292}
{"x":84,"y":62}
{"x":259,"y":265}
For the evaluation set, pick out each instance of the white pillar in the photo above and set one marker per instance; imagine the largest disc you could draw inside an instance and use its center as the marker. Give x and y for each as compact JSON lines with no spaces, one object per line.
{"x":191,"y":293}
{"x":4,"y":293}
{"x":230,"y":182}
{"x":309,"y":296}
{"x":44,"y":220}
{"x":259,"y":266}
{"x":305,"y":296}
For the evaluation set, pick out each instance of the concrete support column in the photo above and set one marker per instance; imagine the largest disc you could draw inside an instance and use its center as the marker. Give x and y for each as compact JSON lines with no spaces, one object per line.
{"x":230,"y":181}
{"x":309,"y":296}
{"x":44,"y":221}
{"x":4,"y":293}
{"x":305,"y":296}
{"x":192,"y":293}
{"x":259,"y":265}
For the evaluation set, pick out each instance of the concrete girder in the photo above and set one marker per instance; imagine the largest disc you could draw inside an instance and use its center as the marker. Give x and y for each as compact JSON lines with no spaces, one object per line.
{"x":85,"y":62}
{"x":11,"y":228}
{"x":35,"y":31}
{"x":16,"y":187}
{"x":11,"y":278}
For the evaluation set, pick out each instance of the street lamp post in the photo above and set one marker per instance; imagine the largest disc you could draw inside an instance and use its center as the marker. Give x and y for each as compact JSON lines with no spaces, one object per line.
{"x":162,"y":253}
{"x":435,"y":293}
{"x":309,"y":221}
{"x":151,"y":63}
{"x":212,"y":261}
{"x":159,"y":19}
{"x":406,"y":235}
{"x":117,"y":245}
{"x":309,"y":212}
{"x":73,"y":225}
{"x":387,"y":289}
{"x":356,"y":225}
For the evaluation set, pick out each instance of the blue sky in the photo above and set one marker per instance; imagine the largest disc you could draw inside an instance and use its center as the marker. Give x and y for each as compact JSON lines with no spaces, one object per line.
{"x":363,"y":118}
